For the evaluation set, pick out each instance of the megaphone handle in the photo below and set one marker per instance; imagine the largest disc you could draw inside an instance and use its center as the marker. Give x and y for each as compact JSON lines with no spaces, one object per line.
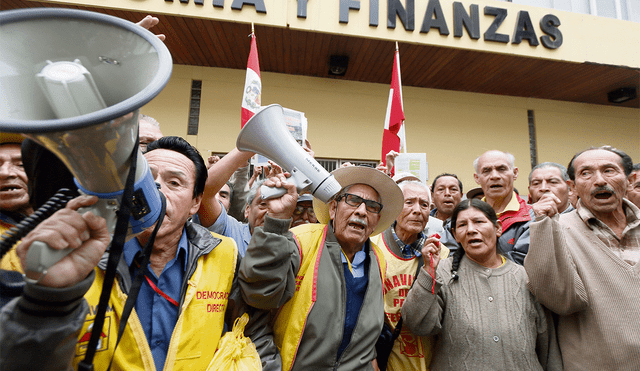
{"x":40,"y":257}
{"x":301,"y":181}
{"x":271,"y":192}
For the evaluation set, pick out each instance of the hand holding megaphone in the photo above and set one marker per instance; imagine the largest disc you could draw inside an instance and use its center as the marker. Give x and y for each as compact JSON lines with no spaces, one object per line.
{"x":284,"y":203}
{"x":78,"y":240}
{"x":266,"y":134}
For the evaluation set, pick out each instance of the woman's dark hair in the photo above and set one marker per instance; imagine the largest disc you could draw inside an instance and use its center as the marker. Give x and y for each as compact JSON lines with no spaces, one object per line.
{"x":474,"y":203}
{"x":183,"y":147}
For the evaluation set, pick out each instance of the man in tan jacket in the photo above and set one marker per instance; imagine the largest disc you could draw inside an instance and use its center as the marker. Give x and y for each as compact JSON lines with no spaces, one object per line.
{"x":584,"y":265}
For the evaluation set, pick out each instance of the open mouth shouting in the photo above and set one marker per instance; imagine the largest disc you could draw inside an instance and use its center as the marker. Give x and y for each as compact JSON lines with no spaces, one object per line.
{"x":603,"y":193}
{"x":358,"y":224}
{"x":474,"y":242}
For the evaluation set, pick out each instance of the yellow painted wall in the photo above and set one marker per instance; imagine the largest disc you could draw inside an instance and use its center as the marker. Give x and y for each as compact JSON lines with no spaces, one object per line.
{"x":346,"y":120}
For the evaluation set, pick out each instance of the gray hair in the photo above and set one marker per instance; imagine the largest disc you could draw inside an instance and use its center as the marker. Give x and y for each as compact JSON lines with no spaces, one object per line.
{"x":254,"y":191}
{"x":563,"y":170}
{"x":405,"y":183}
{"x":511,"y":160}
{"x":149,"y":120}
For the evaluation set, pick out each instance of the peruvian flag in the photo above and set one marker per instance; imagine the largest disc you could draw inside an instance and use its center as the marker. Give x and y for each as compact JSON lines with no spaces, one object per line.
{"x":393,"y":137}
{"x":252,"y":84}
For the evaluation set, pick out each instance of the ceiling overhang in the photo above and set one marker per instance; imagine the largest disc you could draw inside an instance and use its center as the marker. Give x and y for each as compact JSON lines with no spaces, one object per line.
{"x":535,"y":73}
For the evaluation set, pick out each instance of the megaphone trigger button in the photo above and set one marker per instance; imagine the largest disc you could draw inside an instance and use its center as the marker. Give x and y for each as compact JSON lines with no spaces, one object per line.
{"x":158,"y":185}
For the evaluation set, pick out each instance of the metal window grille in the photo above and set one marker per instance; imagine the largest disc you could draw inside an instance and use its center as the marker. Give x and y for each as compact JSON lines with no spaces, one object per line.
{"x":194,"y":107}
{"x":328,"y":164}
{"x":533,"y":147}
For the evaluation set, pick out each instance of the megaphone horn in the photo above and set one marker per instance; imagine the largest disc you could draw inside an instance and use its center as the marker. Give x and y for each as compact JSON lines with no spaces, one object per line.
{"x":266,"y":133}
{"x":73,"y":81}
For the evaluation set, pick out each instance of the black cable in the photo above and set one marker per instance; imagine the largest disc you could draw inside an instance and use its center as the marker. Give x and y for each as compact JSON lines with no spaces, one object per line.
{"x":115,"y":252}
{"x":130,"y":303}
{"x":16,"y":233}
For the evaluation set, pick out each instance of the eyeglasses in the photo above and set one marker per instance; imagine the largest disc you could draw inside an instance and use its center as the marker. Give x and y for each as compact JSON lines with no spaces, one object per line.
{"x":299,"y":210}
{"x":355,"y":201}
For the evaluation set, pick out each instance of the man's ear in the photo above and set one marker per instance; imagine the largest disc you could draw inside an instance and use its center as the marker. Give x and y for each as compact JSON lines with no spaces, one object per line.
{"x":246,"y":211}
{"x":515,"y":172}
{"x":632,"y":178}
{"x":572,"y":185}
{"x":333,"y":206}
{"x":475,"y":177}
{"x":195,"y":206}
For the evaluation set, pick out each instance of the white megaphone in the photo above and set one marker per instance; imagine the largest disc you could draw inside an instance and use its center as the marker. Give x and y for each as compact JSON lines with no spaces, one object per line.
{"x":73,"y":81}
{"x":266,"y":133}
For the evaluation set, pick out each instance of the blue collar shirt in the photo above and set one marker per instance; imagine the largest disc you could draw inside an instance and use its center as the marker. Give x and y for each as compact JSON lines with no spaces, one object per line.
{"x":157,"y":315}
{"x":357,"y":265}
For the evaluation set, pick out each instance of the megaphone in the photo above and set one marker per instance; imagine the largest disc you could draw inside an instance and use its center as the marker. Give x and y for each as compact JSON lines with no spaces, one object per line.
{"x":266,"y":133}
{"x":74,"y":81}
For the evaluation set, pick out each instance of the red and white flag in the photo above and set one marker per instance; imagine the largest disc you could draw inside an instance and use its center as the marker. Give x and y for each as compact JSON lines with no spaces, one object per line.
{"x":393,"y":137}
{"x":252,"y":84}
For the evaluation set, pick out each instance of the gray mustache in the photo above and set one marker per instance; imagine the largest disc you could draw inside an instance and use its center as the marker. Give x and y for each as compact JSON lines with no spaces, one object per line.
{"x":362,"y":222}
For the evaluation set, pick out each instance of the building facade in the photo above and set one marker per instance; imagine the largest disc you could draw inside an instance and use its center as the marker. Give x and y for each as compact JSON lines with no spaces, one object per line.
{"x":476,"y":75}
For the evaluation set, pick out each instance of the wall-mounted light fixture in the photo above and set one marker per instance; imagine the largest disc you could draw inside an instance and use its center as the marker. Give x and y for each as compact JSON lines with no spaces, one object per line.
{"x":338,"y":65}
{"x":622,"y":95}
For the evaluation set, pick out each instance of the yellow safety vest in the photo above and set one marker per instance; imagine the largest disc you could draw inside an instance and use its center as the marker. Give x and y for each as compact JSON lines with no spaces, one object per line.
{"x":10,"y":261}
{"x":197,"y":331}
{"x":292,"y":316}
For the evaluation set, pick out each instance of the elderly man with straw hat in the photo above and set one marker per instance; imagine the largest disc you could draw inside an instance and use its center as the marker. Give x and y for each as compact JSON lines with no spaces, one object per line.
{"x":326,"y":279}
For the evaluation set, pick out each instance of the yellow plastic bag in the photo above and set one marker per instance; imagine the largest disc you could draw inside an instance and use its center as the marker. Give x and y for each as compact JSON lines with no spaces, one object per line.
{"x":235,"y":351}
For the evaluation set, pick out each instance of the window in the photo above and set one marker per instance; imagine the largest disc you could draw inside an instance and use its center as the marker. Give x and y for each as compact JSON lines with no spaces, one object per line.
{"x":194,"y":107}
{"x":628,"y":10}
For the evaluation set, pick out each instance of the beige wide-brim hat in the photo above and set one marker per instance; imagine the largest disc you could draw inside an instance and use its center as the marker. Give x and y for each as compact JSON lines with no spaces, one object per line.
{"x":390,"y":194}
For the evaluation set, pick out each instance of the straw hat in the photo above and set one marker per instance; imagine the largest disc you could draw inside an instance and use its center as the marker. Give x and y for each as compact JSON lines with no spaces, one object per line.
{"x":390,"y":194}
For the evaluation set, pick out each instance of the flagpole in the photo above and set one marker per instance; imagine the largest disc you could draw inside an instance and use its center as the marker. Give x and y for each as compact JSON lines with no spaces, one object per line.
{"x":253,"y":32}
{"x":393,"y":136}
{"x":404,"y":148}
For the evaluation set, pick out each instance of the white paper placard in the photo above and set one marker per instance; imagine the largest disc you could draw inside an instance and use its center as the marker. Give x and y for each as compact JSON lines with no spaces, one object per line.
{"x":414,"y":163}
